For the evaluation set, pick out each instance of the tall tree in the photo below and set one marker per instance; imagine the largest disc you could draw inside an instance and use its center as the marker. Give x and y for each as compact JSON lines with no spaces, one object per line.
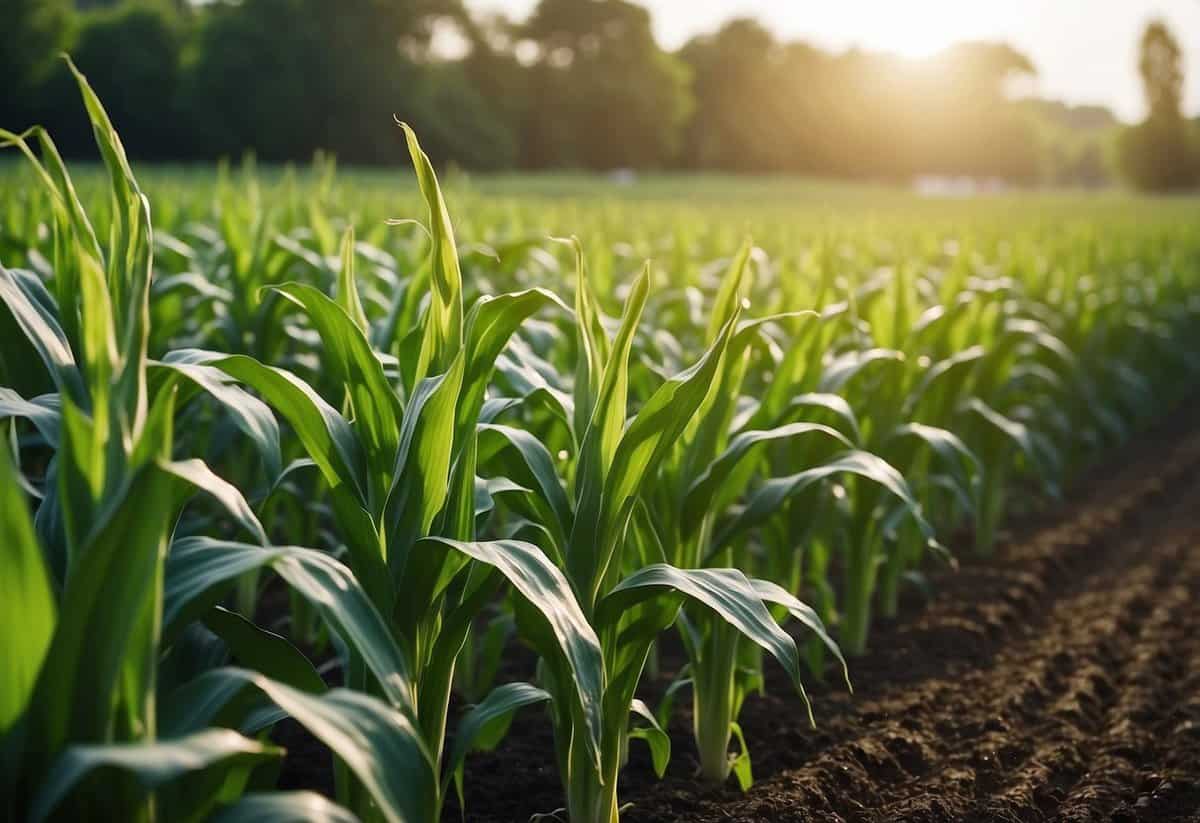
{"x":32,"y":32}
{"x":138,"y":85}
{"x":605,"y":95}
{"x":1160,"y":63}
{"x":735,"y":79}
{"x":286,"y":77}
{"x":1161,"y":153}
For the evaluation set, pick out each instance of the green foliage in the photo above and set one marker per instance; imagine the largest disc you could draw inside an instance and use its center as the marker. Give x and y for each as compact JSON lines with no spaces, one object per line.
{"x":1163,"y":152}
{"x":620,"y":101}
{"x":34,"y":30}
{"x":139,"y":86}
{"x":267,"y":434}
{"x":578,"y":84}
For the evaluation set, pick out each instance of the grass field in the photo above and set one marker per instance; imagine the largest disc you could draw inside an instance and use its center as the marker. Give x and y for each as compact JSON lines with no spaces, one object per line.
{"x":396,"y":460}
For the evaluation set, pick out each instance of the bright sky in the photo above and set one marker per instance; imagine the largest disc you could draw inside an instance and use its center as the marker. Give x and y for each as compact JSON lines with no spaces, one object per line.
{"x":1085,"y":50}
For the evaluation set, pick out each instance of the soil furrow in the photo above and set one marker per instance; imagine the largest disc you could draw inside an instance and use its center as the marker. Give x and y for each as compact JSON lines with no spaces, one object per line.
{"x":1059,"y":681}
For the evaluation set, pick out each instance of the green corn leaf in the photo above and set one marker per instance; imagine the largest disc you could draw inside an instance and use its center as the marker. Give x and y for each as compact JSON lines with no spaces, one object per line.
{"x":347,"y":285}
{"x":327,"y":436}
{"x":741,"y":764}
{"x":249,"y":414}
{"x":485,"y":725}
{"x":490,"y":324}
{"x":608,"y":416}
{"x":154,"y":765}
{"x":657,"y":739}
{"x":962,"y":463}
{"x":644,"y":445}
{"x":366,"y":546}
{"x":114,"y":578}
{"x":82,"y":471}
{"x":769,"y":497}
{"x":378,"y":743}
{"x":805,"y":614}
{"x":283,"y":807}
{"x":725,"y":476}
{"x":347,"y":353}
{"x":1040,"y":455}
{"x":728,"y":593}
{"x":110,"y":599}
{"x":27,"y":601}
{"x":486,"y":492}
{"x":52,"y":172}
{"x":849,"y":365}
{"x":729,"y":295}
{"x":532,"y":466}
{"x":126,"y":319}
{"x":594,"y":346}
{"x":190,"y":282}
{"x":197,"y":474}
{"x":834,"y":405}
{"x":443,"y":337}
{"x":269,"y":653}
{"x":42,"y":329}
{"x":201,"y":570}
{"x":544,"y":587}
{"x":98,"y":342}
{"x":43,"y":412}
{"x":422,"y":469}
{"x":944,"y":378}
{"x":74,"y":236}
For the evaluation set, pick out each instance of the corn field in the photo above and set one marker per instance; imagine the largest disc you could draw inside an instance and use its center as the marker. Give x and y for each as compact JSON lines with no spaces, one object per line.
{"x":304,"y":445}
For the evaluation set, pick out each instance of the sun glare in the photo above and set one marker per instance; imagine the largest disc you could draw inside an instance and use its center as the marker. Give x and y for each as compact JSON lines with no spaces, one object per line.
{"x":918,"y":30}
{"x":913,"y":29}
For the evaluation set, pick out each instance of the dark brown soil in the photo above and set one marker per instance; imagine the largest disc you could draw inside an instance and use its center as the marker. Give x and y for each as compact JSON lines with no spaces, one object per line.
{"x":1058,"y":681}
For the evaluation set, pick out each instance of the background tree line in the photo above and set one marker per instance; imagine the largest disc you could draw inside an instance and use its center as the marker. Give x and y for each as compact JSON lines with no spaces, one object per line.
{"x":580,"y":84}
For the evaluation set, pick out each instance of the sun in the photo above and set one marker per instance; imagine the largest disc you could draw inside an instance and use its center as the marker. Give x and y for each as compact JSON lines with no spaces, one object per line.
{"x":915,"y":30}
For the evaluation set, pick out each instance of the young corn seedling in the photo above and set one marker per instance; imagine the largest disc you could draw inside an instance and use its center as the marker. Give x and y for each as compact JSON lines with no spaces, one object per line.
{"x":628,"y":598}
{"x":800,"y":415}
{"x":707,"y":470}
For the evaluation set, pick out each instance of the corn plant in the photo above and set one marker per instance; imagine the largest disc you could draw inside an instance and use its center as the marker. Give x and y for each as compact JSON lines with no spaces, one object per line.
{"x":82,"y":701}
{"x":701,"y":475}
{"x":400,"y":472}
{"x":628,"y":595}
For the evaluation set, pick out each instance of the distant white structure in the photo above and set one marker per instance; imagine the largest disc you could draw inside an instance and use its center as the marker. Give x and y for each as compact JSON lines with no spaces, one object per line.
{"x":951,"y":186}
{"x":622,"y":177}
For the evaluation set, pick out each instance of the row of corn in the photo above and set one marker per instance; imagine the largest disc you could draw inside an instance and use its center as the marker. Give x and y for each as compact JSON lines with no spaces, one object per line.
{"x":256,"y":455}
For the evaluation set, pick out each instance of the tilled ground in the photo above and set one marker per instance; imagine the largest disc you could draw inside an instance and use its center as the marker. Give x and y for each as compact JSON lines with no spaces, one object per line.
{"x":1059,"y":681}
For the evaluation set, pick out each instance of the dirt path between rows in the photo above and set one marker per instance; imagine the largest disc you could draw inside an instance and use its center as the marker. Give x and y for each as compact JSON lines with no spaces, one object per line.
{"x":1058,"y":682}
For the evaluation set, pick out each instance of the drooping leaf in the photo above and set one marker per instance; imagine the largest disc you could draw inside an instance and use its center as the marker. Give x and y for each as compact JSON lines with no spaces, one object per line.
{"x":283,"y":807}
{"x":200,"y":570}
{"x":767,"y":499}
{"x":805,"y":614}
{"x":708,"y":486}
{"x":152,"y":764}
{"x":543,"y":586}
{"x":728,"y":593}
{"x":485,"y":724}
{"x":326,"y":435}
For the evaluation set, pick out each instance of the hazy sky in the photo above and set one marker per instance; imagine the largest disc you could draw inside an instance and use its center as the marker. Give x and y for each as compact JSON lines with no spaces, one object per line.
{"x":1085,"y":50}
